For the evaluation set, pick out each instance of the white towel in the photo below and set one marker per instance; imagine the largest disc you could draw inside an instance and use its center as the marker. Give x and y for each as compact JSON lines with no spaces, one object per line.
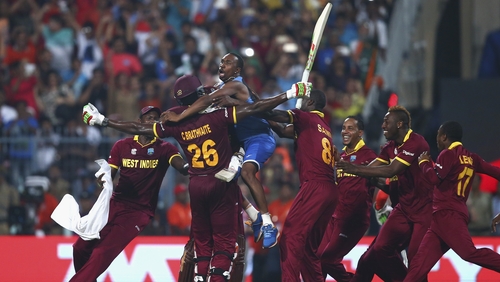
{"x":67,"y":213}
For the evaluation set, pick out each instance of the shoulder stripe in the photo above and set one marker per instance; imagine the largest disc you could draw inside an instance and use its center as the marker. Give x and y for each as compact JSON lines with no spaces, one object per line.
{"x":403,"y":161}
{"x":382,"y":160}
{"x":113,"y":166}
{"x":235,"y":120}
{"x":173,"y":156}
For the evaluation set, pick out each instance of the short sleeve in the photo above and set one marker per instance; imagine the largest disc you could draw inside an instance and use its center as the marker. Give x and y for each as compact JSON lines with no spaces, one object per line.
{"x":115,"y":158}
{"x":170,"y":151}
{"x":409,"y":152}
{"x":384,"y":155}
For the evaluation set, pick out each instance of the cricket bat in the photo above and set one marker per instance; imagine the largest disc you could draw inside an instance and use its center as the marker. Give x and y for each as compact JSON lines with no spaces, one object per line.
{"x":316,"y":39}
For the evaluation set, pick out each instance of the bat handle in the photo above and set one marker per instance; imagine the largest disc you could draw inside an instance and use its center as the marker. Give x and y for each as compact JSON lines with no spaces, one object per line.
{"x":305,"y":78}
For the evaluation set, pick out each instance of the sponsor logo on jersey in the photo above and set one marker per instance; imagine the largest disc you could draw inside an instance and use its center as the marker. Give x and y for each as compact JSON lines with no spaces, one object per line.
{"x":133,"y":151}
{"x":408,"y":153}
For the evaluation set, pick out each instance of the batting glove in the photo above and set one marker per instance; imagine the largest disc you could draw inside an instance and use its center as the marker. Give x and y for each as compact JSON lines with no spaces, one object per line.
{"x":299,"y":90}
{"x":383,"y":213}
{"x":91,"y":115}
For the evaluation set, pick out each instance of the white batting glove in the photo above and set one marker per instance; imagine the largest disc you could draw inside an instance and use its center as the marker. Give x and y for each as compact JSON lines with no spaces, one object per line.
{"x":383,"y":213}
{"x":299,"y":90}
{"x":91,"y":115}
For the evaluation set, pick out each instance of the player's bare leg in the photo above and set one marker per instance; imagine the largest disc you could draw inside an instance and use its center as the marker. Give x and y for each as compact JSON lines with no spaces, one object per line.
{"x":268,"y":230}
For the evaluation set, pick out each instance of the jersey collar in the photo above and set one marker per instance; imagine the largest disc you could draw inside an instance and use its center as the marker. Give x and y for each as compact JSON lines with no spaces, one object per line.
{"x":407,"y":136}
{"x":455,"y":144}
{"x":318,"y":113}
{"x":136,"y":139}
{"x":358,"y":146}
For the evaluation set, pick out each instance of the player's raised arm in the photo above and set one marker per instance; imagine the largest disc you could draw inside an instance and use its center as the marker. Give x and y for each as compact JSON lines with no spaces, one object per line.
{"x":205,"y":101}
{"x":92,"y":116}
{"x":299,"y":89}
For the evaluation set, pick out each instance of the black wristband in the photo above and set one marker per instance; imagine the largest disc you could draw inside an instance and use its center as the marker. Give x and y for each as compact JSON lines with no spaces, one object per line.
{"x":105,"y":122}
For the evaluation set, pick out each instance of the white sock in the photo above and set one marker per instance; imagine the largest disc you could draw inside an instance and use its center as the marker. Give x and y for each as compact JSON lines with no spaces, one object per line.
{"x":252,"y":212}
{"x":266,"y":219}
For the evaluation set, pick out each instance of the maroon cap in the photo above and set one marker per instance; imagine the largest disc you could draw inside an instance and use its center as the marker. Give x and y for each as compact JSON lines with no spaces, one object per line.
{"x":148,"y":109}
{"x":186,"y":85}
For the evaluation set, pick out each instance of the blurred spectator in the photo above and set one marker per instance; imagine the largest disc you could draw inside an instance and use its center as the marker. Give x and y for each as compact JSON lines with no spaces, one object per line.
{"x":21,"y":48}
{"x":46,"y":148}
{"x":20,"y":14}
{"x":148,"y":34}
{"x":22,"y":150}
{"x":150,"y":95}
{"x":58,"y":187}
{"x":56,"y":100}
{"x":44,"y":66}
{"x":59,"y":41}
{"x":124,"y":96}
{"x":286,"y":70}
{"x":348,"y":30}
{"x":44,"y":224}
{"x":479,"y":205}
{"x":79,"y":148}
{"x":202,"y":36}
{"x":118,"y":60}
{"x":179,"y":214}
{"x":365,"y":56}
{"x":338,"y":73}
{"x":96,"y":92}
{"x":22,"y":86}
{"x":7,"y":113}
{"x":190,"y":57}
{"x":89,"y":51}
{"x":490,"y":59}
{"x":252,"y":78}
{"x":4,"y":27}
{"x":177,"y":12}
{"x":9,"y":197}
{"x":74,"y":78}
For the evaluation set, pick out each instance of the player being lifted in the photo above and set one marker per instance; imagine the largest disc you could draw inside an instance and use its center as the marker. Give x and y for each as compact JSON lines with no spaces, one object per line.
{"x":256,"y":137}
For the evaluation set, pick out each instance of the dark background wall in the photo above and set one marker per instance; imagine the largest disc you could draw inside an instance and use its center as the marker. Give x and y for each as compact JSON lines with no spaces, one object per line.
{"x":476,"y":105}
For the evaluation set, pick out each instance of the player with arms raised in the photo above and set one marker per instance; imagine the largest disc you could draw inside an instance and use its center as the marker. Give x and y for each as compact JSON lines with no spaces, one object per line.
{"x":452,"y":176}
{"x":204,"y":139}
{"x":143,"y":161}
{"x":313,"y":206}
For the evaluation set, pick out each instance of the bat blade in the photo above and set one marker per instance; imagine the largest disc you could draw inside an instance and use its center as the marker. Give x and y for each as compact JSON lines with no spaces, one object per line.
{"x":316,"y":39}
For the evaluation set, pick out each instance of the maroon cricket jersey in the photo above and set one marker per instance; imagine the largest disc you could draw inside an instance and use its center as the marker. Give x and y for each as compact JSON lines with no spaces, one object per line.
{"x":452,"y":174}
{"x":313,"y":146}
{"x":204,"y":139}
{"x":354,"y":196}
{"x":142,"y":169}
{"x":414,"y":191}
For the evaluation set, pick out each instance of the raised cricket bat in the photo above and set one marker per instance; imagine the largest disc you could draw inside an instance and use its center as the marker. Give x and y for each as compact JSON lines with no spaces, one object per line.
{"x":316,"y":39}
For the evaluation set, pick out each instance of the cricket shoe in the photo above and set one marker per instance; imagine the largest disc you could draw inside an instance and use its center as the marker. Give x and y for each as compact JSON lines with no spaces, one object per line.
{"x":271,"y":236}
{"x":256,"y":228}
